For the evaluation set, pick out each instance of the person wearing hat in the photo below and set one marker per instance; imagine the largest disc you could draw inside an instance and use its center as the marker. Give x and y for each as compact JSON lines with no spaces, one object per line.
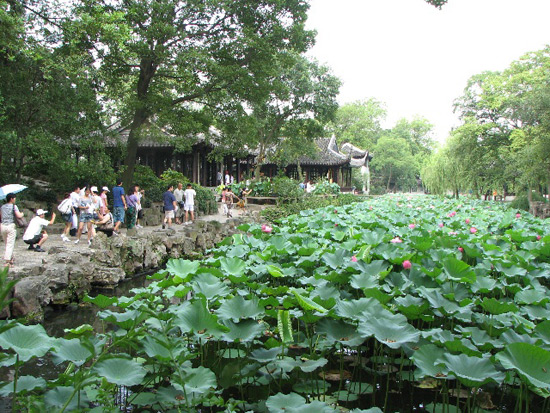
{"x":9,"y":212}
{"x":104,"y":205}
{"x":35,"y":233}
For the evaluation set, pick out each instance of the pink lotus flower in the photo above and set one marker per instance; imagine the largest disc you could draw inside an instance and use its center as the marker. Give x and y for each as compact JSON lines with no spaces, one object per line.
{"x":467,"y":220}
{"x":354,"y":259}
{"x":453,"y":233}
{"x":407,"y":265}
{"x":452,"y":214}
{"x":412,"y":226}
{"x":266,"y":228}
{"x":461,"y":249}
{"x":409,"y":206}
{"x":396,"y":240}
{"x":335,"y":211}
{"x":441,"y":225}
{"x":335,"y":225}
{"x":473,"y":230}
{"x":432,"y":206}
{"x":370,"y":207}
{"x":538,"y":237}
{"x":518,"y":215}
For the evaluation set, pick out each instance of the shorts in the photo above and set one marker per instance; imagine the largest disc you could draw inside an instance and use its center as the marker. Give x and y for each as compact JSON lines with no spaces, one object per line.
{"x":67,"y":217}
{"x":118,"y":214}
{"x":169,"y":214}
{"x":190,"y":208}
{"x":85,"y":217}
{"x":34,"y":240}
{"x":140,"y":214}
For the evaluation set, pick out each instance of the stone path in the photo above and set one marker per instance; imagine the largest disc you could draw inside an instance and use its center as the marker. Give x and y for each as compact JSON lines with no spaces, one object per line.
{"x":23,"y":256}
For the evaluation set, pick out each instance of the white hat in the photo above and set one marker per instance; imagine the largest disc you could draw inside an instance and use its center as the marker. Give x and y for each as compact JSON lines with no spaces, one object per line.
{"x":93,"y":189}
{"x":105,"y":189}
{"x":41,"y":212}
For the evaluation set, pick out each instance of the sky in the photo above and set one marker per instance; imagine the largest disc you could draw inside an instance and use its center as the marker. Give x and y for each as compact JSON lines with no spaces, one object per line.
{"x":417,"y":59}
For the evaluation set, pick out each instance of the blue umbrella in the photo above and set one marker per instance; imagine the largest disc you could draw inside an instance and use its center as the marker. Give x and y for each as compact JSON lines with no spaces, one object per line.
{"x":10,"y":189}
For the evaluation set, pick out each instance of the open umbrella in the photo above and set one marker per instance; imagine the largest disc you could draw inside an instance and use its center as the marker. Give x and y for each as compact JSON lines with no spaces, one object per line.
{"x":11,"y":189}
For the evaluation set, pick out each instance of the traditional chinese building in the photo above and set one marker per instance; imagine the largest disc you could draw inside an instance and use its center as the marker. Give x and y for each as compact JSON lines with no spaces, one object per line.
{"x":159,"y":153}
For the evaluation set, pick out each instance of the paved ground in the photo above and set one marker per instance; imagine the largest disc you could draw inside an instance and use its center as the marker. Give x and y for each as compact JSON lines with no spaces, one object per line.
{"x":23,"y":256}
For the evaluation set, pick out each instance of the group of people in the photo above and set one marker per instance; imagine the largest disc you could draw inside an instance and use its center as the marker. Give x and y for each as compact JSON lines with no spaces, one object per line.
{"x":84,"y":211}
{"x":178,"y":204}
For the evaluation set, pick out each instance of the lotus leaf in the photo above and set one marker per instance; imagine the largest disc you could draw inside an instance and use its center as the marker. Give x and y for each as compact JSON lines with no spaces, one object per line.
{"x":196,"y":318}
{"x":62,"y":396}
{"x":100,"y":300}
{"x":389,"y":333}
{"x":495,"y":306}
{"x":237,"y":308}
{"x":71,"y":350}
{"x":24,"y":383}
{"x":209,"y":286}
{"x":531,"y":296}
{"x":339,"y":331}
{"x":458,"y":270}
{"x":121,"y":371}
{"x":472,"y":371}
{"x":199,"y":380}
{"x":263,"y":355}
{"x":530,"y":362}
{"x":356,"y":309}
{"x":337,"y":259}
{"x":307,"y":303}
{"x":428,"y":359}
{"x":234,"y":268}
{"x":442,"y":408}
{"x":182,"y":270}
{"x":26,"y":341}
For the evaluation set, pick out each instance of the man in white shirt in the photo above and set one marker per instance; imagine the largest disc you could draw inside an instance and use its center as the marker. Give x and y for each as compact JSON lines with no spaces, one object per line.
{"x":189,"y":206}
{"x":34,"y":234}
{"x":75,"y":199}
{"x":178,"y":193}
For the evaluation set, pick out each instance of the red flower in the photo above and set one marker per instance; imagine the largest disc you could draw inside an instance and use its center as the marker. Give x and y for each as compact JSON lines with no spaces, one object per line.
{"x":407,"y":265}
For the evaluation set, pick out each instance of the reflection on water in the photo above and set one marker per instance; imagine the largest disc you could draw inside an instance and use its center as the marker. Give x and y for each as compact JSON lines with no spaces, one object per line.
{"x":56,"y":320}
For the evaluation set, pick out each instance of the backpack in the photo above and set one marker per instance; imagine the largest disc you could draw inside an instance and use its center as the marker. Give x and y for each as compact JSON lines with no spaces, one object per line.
{"x":65,"y":206}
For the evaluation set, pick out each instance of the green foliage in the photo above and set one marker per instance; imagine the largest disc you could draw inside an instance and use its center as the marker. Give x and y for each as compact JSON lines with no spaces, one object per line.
{"x":275,"y":213}
{"x":286,"y":188}
{"x":324,"y":187}
{"x":521,"y":200}
{"x":402,"y":284}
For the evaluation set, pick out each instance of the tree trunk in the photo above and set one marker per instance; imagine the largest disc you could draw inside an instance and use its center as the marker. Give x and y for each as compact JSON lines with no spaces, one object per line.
{"x":131,"y":149}
{"x":389,"y":180}
{"x":147,"y":70}
{"x":529,"y":195}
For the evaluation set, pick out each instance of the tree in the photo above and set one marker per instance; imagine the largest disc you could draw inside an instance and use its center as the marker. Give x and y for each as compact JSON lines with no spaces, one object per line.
{"x":394,"y":162}
{"x":360,"y":123}
{"x":281,"y":119}
{"x":178,"y":62}
{"x":48,"y":104}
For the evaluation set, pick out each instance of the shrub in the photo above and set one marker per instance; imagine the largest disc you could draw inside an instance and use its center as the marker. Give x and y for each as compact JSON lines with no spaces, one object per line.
{"x":286,"y":188}
{"x":274,"y":213}
{"x":324,"y":187}
{"x":522,"y":202}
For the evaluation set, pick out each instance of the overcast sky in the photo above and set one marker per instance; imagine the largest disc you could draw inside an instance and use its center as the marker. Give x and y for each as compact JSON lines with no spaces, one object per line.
{"x":416,"y":58}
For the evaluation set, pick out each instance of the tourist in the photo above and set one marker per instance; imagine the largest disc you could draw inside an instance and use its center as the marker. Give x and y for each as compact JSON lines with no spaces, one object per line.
{"x":75,"y":199}
{"x":67,"y":211}
{"x":86,"y":207}
{"x":229,"y":197}
{"x":179,"y":193}
{"x":219,"y":178}
{"x":97,"y":202}
{"x":170,"y":206}
{"x":189,"y":206}
{"x":105,"y":225}
{"x":140,"y":194}
{"x":34,"y":233}
{"x":9,"y":232}
{"x":131,"y":204}
{"x":104,"y":203}
{"x":119,"y":206}
{"x":227,"y":178}
{"x":224,"y":205}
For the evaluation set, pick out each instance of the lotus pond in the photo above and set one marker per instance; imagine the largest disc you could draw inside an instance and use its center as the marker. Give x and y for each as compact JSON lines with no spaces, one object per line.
{"x":393,"y":304}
